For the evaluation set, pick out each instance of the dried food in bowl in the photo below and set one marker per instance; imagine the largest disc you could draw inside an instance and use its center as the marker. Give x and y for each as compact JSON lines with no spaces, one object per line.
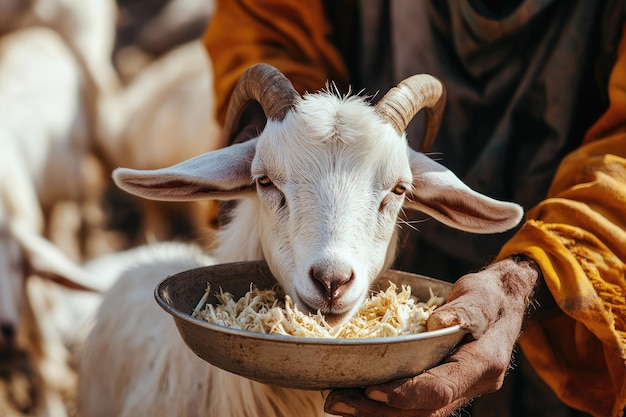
{"x":389,"y":312}
{"x":300,"y":362}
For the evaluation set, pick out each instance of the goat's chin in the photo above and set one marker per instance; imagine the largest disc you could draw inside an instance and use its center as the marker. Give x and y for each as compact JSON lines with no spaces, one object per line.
{"x":334,"y":317}
{"x":337,"y":319}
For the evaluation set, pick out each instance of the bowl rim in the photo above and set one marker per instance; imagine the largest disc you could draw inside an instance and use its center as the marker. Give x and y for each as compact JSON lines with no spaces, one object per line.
{"x":287,"y":339}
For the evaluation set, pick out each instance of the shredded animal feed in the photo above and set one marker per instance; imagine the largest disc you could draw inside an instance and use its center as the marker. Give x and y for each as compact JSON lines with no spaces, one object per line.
{"x":387,"y":313}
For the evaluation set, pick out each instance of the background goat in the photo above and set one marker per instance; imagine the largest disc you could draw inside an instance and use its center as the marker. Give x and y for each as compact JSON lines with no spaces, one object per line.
{"x":56,"y":68}
{"x":320,"y":192}
{"x":44,"y":131}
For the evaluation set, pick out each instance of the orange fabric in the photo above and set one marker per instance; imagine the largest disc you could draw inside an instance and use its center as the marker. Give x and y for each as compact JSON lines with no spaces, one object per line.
{"x":578,"y":237}
{"x":291,"y":35}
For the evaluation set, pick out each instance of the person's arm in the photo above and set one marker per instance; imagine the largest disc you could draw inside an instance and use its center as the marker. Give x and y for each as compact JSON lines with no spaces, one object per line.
{"x":577,"y":236}
{"x":292,"y":35}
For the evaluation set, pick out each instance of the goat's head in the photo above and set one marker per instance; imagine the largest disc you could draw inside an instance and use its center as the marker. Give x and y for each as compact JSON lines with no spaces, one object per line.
{"x":327,"y":177}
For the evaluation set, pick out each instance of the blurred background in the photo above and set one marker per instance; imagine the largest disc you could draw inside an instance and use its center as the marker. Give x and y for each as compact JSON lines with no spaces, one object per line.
{"x":87,"y":86}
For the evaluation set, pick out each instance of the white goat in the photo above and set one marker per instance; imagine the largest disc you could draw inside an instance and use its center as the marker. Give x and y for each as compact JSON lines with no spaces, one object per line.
{"x":321,"y":189}
{"x":44,"y":132}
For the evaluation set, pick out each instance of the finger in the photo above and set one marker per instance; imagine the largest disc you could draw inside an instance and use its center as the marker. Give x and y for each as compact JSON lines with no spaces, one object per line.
{"x":474,"y":369}
{"x":354,"y":403}
{"x":472,"y":318}
{"x":474,"y":303}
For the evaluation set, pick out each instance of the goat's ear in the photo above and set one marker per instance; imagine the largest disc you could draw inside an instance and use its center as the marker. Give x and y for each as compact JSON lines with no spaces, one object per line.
{"x":222,"y":174}
{"x":46,"y":260}
{"x":442,"y":195}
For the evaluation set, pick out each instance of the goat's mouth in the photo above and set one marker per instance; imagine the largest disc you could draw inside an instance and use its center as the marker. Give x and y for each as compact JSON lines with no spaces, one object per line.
{"x":334,"y":311}
{"x":336,"y":319}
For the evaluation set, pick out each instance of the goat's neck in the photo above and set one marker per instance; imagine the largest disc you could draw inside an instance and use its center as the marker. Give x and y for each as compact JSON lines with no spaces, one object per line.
{"x":239,"y":239}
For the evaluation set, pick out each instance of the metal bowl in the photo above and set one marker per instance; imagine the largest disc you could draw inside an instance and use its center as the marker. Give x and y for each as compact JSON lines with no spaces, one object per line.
{"x":300,"y":362}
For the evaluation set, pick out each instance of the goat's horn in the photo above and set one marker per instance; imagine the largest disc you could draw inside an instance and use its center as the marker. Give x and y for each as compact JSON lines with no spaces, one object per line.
{"x":403,"y":102}
{"x":266,"y":85}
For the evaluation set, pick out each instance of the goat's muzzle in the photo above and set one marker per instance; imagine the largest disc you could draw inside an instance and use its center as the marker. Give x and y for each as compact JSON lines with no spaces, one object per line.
{"x":331,"y":283}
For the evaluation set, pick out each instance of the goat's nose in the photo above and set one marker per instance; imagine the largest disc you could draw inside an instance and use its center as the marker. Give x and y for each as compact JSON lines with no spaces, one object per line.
{"x":331,"y":281}
{"x":7,"y":335}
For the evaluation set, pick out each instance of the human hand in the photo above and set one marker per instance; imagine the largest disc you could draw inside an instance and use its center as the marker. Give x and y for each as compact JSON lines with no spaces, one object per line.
{"x":491,"y":305}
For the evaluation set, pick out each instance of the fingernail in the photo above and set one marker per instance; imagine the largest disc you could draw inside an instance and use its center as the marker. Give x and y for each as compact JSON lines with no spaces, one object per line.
{"x":343,"y":409}
{"x":378,"y":396}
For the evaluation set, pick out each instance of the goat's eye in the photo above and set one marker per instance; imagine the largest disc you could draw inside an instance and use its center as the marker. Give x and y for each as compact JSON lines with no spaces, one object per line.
{"x":264,"y":181}
{"x":399,"y":189}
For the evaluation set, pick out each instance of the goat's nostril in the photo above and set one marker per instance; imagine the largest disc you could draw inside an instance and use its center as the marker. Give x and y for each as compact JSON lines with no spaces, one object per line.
{"x":7,"y":333}
{"x":330,"y":282}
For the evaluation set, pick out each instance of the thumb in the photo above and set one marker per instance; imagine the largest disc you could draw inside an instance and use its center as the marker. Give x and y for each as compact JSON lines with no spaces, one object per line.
{"x":459,"y":312}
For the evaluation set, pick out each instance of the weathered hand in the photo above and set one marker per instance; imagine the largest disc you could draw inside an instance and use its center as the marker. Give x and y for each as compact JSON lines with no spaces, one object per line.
{"x":491,"y":305}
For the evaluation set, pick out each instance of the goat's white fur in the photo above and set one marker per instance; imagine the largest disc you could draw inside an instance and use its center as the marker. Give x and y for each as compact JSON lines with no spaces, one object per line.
{"x":330,"y":207}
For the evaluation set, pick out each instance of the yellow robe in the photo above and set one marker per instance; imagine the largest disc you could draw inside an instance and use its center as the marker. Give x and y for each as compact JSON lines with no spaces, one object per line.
{"x":577,"y":234}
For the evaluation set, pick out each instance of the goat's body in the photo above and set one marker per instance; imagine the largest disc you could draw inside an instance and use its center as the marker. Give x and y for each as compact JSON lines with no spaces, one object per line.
{"x":164,"y":378}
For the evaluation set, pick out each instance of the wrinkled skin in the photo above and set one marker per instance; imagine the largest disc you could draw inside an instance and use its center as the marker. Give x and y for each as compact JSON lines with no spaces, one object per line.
{"x":492,"y":305}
